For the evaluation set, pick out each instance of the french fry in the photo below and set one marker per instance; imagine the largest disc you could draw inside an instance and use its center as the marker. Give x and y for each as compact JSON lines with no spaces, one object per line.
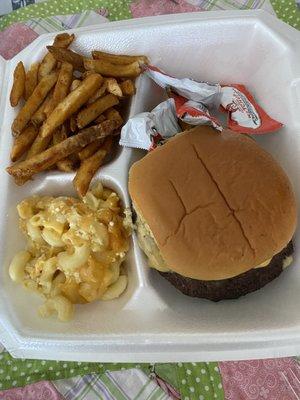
{"x":99,"y":93}
{"x":66,"y":164}
{"x":127,"y":87}
{"x":31,"y":79}
{"x":75,"y":84}
{"x":93,"y":110}
{"x":113,"y":87}
{"x":89,"y":167}
{"x":70,"y":104}
{"x":73,"y":123}
{"x":114,"y":115}
{"x":40,"y":144}
{"x":120,"y":59}
{"x":18,"y":86}
{"x":63,"y":40}
{"x":61,"y":88}
{"x":100,"y":119}
{"x":40,"y":115}
{"x":24,"y":170}
{"x":33,"y":103}
{"x":112,"y":70}
{"x":23,"y":142}
{"x":90,"y":149}
{"x":66,"y":55}
{"x":49,"y":62}
{"x":85,"y":74}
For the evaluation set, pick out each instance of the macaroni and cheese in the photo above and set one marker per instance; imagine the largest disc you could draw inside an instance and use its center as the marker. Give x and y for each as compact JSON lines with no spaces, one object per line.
{"x":75,"y":249}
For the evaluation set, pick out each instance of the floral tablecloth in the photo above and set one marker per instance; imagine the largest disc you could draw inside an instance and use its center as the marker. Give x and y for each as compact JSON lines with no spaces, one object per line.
{"x":274,"y":379}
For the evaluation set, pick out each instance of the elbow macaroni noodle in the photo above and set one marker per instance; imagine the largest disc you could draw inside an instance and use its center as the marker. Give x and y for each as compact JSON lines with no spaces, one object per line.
{"x":75,"y":249}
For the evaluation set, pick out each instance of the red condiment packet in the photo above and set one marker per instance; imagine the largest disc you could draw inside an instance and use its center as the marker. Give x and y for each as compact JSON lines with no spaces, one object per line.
{"x":244,"y":114}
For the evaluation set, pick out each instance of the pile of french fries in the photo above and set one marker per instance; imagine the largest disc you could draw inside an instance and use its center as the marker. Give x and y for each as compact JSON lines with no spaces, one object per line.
{"x":71,"y":111}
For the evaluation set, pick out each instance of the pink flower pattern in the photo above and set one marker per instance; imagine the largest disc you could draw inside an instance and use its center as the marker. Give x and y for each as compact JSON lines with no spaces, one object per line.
{"x":257,"y":379}
{"x":14,"y":39}
{"x":145,"y":8}
{"x":42,"y":390}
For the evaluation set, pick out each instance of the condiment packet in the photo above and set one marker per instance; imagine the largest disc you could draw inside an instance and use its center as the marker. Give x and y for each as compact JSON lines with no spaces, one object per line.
{"x":194,"y":113}
{"x":244,"y":114}
{"x":150,"y":129}
{"x":206,"y":93}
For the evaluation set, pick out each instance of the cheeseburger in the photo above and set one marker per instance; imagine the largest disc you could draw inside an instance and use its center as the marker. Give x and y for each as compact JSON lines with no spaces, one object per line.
{"x":215,"y":213}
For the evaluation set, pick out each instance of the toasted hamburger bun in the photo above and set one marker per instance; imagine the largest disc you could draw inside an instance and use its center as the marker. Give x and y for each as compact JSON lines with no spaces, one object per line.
{"x":214,"y":205}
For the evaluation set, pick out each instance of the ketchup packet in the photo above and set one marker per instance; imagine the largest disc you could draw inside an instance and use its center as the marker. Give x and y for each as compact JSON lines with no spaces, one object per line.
{"x":151,"y":129}
{"x":244,"y":114}
{"x":194,"y":113}
{"x":206,"y":93}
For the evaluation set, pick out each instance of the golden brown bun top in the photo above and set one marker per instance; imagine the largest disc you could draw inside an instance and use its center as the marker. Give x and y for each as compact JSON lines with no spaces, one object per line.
{"x":216,"y":203}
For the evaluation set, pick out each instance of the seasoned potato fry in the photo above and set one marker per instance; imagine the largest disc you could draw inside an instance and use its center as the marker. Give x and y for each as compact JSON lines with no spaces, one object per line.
{"x":49,"y":62}
{"x":92,"y":111}
{"x":18,"y":86}
{"x":33,"y":103}
{"x":112,"y":70}
{"x":40,"y":144}
{"x":63,"y":40}
{"x":120,"y":59}
{"x":85,"y":74}
{"x":66,"y":164}
{"x":61,"y":88}
{"x":70,"y":104}
{"x":24,"y":170}
{"x":113,"y":87}
{"x":73,"y":123}
{"x":127,"y":87}
{"x":90,"y":149}
{"x":31,"y":79}
{"x":75,"y":84}
{"x":40,"y":115}
{"x":99,"y":93}
{"x":100,"y":119}
{"x":23,"y":142}
{"x":89,"y":167}
{"x":66,"y":55}
{"x":113,"y":114}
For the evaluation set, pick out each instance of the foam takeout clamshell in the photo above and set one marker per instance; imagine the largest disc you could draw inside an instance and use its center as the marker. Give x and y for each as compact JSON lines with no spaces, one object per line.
{"x":151,"y":321}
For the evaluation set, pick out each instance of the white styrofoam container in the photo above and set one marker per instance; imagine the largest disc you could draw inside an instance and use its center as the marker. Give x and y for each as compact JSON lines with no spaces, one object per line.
{"x":152,"y":321}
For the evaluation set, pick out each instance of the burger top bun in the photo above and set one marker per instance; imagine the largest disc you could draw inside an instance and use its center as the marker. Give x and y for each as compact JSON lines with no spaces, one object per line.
{"x":216,"y":203}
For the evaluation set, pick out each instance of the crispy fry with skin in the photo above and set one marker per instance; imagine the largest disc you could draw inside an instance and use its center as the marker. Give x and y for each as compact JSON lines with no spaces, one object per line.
{"x":92,"y":111}
{"x":73,"y":123}
{"x":23,"y":142}
{"x":31,"y":79}
{"x":66,"y":164}
{"x":70,"y":104}
{"x":24,"y":170}
{"x":66,"y":55}
{"x":40,"y":144}
{"x":113,"y":114}
{"x":100,"y":119}
{"x":62,"y":87}
{"x":18,"y":86}
{"x":86,"y":73}
{"x":75,"y":84}
{"x":89,"y":167}
{"x":113,"y":87}
{"x":112,"y":70}
{"x":127,"y":87}
{"x":99,"y":93}
{"x":49,"y":62}
{"x":120,"y":59}
{"x":40,"y":115}
{"x":33,"y":103}
{"x":90,"y":149}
